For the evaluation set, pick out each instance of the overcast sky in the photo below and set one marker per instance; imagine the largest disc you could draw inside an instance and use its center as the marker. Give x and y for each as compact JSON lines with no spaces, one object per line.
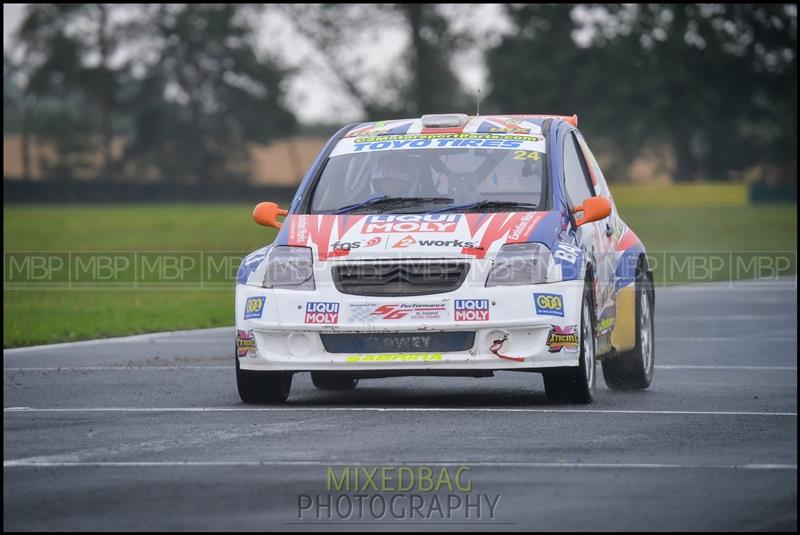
{"x":312,"y":96}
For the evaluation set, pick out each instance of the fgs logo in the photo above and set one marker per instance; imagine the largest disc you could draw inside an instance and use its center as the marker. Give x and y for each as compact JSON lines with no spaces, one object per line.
{"x":346,"y":246}
{"x":254,"y":307}
{"x":471,"y":309}
{"x":317,"y":312}
{"x":549,"y":304}
{"x":342,"y":248}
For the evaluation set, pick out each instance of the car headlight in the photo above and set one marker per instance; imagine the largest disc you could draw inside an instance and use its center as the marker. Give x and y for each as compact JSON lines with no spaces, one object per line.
{"x":519,"y":263}
{"x":291,"y":268}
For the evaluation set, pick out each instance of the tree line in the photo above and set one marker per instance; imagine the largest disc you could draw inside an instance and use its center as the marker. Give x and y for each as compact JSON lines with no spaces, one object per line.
{"x":711,"y":88}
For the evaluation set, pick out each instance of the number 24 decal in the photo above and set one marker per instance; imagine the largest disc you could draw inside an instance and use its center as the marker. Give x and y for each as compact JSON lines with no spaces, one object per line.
{"x":526,"y":155}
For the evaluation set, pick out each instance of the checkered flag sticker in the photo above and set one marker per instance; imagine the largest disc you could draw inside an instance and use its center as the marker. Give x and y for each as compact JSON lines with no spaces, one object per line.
{"x":362,"y":313}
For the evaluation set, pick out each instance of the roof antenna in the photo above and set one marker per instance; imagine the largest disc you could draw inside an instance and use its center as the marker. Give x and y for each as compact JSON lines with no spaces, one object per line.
{"x":478,"y":103}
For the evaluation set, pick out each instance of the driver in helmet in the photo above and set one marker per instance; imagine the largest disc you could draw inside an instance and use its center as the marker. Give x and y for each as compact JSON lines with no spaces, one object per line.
{"x":394,"y":174}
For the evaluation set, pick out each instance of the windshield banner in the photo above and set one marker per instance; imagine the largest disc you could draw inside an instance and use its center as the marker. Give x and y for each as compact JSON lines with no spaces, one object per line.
{"x":518,"y":142}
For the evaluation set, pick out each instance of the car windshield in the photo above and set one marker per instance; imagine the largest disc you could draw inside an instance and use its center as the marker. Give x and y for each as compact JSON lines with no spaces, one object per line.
{"x":418,"y":173}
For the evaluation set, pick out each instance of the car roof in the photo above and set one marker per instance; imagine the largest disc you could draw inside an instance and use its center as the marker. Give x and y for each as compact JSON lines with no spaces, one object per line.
{"x":503,"y":124}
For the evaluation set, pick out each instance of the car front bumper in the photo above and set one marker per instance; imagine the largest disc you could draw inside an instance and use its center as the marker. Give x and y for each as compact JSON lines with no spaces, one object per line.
{"x":511,"y":331}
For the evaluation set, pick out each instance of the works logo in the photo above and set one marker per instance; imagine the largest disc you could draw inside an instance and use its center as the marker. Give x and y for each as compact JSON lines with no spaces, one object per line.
{"x":318,"y":312}
{"x":409,"y":241}
{"x":471,"y":309}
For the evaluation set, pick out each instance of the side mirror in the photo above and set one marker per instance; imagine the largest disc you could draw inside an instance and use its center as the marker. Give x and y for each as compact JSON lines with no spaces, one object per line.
{"x":266,"y":213}
{"x":594,"y":209}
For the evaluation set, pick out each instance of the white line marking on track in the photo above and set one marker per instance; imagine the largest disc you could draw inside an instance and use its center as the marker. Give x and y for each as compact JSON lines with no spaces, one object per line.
{"x":228,"y":368}
{"x":113,"y":368}
{"x":721,"y":367}
{"x":499,"y":464}
{"x":158,"y":336}
{"x":384,"y":409}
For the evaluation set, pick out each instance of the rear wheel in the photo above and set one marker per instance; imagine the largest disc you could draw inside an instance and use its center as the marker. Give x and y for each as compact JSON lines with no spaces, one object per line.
{"x":633,"y":370}
{"x":575,"y":384}
{"x":263,"y":387}
{"x":332,"y":381}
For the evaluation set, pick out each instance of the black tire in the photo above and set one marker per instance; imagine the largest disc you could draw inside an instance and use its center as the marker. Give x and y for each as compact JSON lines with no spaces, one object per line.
{"x":633,"y":370}
{"x":332,"y":381}
{"x":574,"y":384}
{"x":263,"y":387}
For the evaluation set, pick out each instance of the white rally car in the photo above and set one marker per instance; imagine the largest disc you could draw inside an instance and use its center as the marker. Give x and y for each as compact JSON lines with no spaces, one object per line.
{"x":447,"y":245}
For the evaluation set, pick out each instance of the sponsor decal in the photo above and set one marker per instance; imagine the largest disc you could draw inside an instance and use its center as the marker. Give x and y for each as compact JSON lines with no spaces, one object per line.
{"x":245,"y":344}
{"x":565,"y":338}
{"x":254,"y":307}
{"x":343,"y":248}
{"x":497,"y":227}
{"x":549,"y":304}
{"x":410,"y":223}
{"x":606,"y":324}
{"x":471,"y":309}
{"x":319,"y":312}
{"x":405,"y":242}
{"x":383,"y":140}
{"x":395,"y":357}
{"x":408,"y":311}
{"x":343,"y":245}
{"x":409,"y":241}
{"x":566,"y":253}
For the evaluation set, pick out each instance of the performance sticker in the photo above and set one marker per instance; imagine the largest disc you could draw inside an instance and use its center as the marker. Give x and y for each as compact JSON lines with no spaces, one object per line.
{"x":565,"y":338}
{"x":549,"y":304}
{"x":245,"y":344}
{"x":254,"y":307}
{"x":518,"y":142}
{"x":318,"y":312}
{"x":401,"y":357}
{"x":368,"y":312}
{"x":471,"y":309}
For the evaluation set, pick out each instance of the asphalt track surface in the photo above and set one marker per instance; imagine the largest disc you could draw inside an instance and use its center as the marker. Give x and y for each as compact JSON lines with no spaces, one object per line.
{"x":148,"y":433}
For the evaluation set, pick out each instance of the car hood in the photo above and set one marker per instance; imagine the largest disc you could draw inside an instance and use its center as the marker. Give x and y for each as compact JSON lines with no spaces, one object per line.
{"x":390,"y":236}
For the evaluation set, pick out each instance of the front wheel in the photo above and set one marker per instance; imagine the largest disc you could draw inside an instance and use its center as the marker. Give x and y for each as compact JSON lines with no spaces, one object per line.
{"x":263,"y":387}
{"x":575,"y":384}
{"x":633,"y":370}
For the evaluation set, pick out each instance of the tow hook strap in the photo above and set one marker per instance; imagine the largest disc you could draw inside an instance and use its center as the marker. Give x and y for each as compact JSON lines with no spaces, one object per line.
{"x":495,"y":348}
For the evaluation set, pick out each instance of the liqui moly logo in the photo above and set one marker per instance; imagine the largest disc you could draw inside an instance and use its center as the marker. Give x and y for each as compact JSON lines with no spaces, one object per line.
{"x":411,"y":223}
{"x":317,"y":312}
{"x":471,"y":309}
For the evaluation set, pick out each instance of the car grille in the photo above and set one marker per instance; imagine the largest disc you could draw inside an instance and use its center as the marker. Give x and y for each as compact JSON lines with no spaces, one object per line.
{"x":396,"y":279}
{"x":398,"y":342}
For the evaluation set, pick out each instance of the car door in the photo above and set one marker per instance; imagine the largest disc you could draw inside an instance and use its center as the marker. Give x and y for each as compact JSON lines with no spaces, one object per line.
{"x":596,"y":238}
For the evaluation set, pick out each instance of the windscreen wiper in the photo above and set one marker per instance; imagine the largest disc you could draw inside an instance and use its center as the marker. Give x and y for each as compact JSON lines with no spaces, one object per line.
{"x":486,"y":204}
{"x":387,"y":200}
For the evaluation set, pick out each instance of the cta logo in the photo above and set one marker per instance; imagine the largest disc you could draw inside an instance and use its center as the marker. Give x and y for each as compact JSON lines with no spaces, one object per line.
{"x":411,"y":223}
{"x":254,"y":307}
{"x":317,"y":312}
{"x":471,"y":309}
{"x":565,"y":338}
{"x":549,"y":304}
